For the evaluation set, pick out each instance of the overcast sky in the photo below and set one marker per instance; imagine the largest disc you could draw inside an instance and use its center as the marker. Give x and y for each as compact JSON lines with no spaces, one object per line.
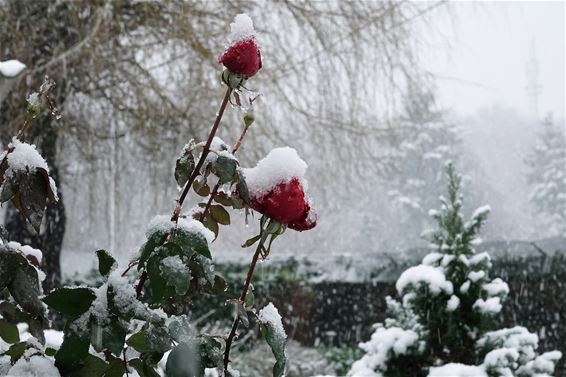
{"x":490,"y":45}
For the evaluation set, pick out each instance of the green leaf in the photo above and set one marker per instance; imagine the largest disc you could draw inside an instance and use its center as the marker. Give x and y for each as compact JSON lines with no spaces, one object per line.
{"x":147,"y":249}
{"x":24,"y":288}
{"x":155,"y":285}
{"x":8,"y":265}
{"x":225,"y":168}
{"x":74,"y":349}
{"x":201,"y":189}
{"x":184,"y":361}
{"x":243,"y":189}
{"x":191,"y":242}
{"x":158,"y":339}
{"x":276,"y":341}
{"x":114,"y":335}
{"x":105,"y":262}
{"x":210,"y":352}
{"x":152,"y":339}
{"x":50,"y":351}
{"x":70,"y":301}
{"x":9,"y":188}
{"x":220,"y":214}
{"x":32,"y":196}
{"x":219,"y":285}
{"x":9,"y":332}
{"x":116,"y":368}
{"x":92,"y":367}
{"x":211,"y":225}
{"x":17,"y":350}
{"x":250,"y":298}
{"x":138,"y":342}
{"x":176,"y":277}
{"x":143,"y":369}
{"x":184,"y":167}
{"x":202,"y":267}
{"x":242,"y":314}
{"x":180,"y":328}
{"x":222,"y":198}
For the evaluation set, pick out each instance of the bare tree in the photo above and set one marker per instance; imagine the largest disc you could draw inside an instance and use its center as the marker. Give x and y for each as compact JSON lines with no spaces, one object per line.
{"x":137,"y":79}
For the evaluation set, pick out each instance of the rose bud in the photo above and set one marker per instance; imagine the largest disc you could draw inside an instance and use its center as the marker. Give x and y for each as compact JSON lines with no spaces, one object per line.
{"x":242,"y":56}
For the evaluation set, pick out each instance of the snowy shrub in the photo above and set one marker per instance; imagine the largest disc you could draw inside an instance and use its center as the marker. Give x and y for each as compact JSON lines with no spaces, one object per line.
{"x":441,"y":324}
{"x":139,"y":319}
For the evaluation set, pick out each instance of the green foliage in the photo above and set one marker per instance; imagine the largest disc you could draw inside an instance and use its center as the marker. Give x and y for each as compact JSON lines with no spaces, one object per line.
{"x":340,"y":358}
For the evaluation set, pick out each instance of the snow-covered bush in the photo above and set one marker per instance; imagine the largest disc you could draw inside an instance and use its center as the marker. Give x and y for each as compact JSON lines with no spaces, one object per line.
{"x":141,"y":320}
{"x":441,"y":324}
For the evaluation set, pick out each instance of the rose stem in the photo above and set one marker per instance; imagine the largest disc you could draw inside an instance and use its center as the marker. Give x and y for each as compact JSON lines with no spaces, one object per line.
{"x":217,"y":186}
{"x":243,"y":300}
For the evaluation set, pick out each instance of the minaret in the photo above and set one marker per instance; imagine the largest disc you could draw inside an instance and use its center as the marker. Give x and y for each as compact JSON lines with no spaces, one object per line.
{"x":533,"y":88}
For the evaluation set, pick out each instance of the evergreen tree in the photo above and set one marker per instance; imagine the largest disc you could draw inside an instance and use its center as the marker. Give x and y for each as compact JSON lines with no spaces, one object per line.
{"x":427,"y":140}
{"x":441,"y":324}
{"x":548,"y":175}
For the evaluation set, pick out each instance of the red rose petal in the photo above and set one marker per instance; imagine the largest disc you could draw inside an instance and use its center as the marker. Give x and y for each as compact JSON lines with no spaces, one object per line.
{"x":307,"y":222}
{"x":285,"y":203}
{"x":242,"y":58}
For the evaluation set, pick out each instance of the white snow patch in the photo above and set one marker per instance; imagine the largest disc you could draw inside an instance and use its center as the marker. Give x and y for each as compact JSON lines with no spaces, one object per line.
{"x":433,"y":277}
{"x":502,"y":359}
{"x":11,"y":68}
{"x":26,"y":250}
{"x":163,"y":223}
{"x":383,"y":342}
{"x":481,"y":211}
{"x":36,"y":366}
{"x":474,"y":276}
{"x":432,"y":258}
{"x":497,"y":287}
{"x":53,"y":338}
{"x":270,"y":315}
{"x":453,"y":303}
{"x":175,"y":263}
{"x":465,"y":287}
{"x":490,"y":306}
{"x":241,"y":29}
{"x":194,"y":226}
{"x":480,"y":258}
{"x":279,"y":166}
{"x":24,"y":156}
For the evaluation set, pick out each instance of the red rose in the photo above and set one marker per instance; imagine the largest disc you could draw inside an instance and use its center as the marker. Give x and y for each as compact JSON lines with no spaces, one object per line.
{"x":242,"y":58}
{"x":284,"y":203}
